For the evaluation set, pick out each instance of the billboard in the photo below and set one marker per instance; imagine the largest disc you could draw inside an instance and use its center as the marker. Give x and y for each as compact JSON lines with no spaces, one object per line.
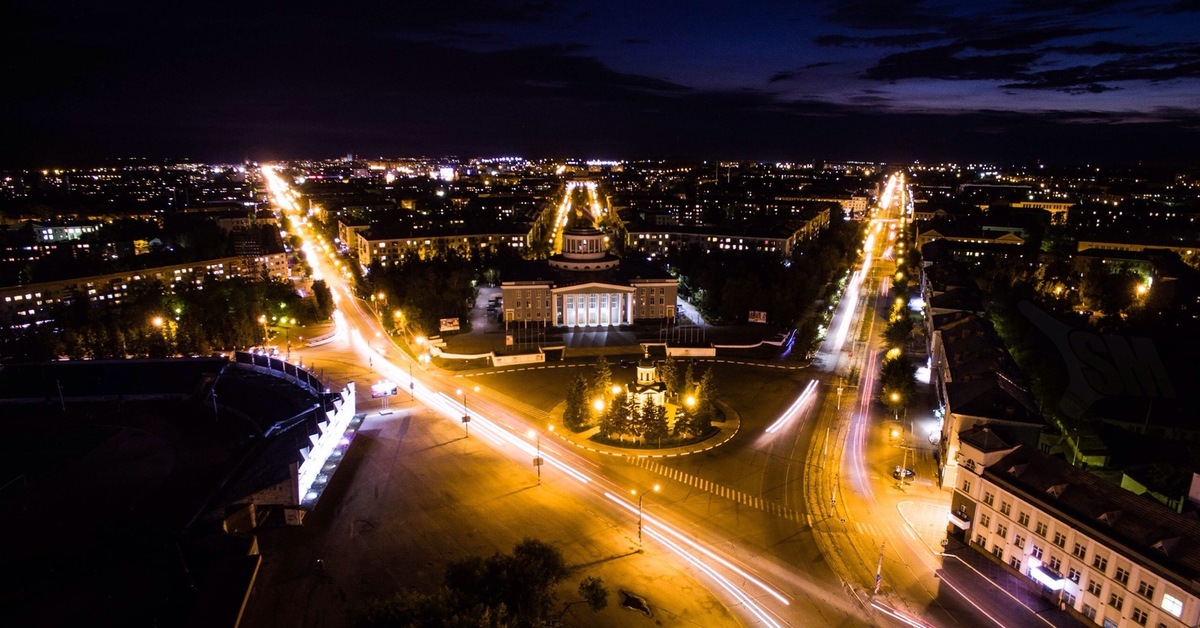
{"x":448,"y":324}
{"x":757,"y":317}
{"x":383,"y":389}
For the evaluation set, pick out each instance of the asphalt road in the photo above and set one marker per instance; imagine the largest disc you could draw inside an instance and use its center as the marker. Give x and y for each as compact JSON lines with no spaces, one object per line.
{"x":798,"y":516}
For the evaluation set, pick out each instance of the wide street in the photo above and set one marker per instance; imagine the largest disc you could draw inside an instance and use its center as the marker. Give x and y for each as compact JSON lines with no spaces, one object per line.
{"x":787,"y":523}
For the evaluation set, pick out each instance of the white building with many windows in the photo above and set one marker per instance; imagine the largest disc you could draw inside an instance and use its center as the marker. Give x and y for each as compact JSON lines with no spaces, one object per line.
{"x":1115,"y":559}
{"x":585,"y":286}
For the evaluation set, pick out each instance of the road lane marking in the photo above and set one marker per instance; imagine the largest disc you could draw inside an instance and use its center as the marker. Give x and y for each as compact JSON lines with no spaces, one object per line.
{"x":702,"y":484}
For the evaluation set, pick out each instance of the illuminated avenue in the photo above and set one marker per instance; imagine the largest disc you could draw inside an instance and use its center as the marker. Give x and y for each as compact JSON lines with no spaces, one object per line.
{"x":867,"y":464}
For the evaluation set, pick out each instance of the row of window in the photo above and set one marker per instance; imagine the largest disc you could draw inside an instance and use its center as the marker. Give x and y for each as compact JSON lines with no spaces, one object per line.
{"x":1079,"y":550}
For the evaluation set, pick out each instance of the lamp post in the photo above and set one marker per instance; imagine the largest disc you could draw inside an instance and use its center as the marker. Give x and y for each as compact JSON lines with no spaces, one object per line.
{"x":263,"y":319}
{"x":466,"y":418}
{"x":537,"y":461}
{"x":640,"y":498}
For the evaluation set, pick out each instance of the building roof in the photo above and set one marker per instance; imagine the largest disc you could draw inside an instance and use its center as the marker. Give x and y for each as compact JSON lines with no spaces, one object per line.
{"x":630,"y":269}
{"x":993,"y":398}
{"x":966,"y":299}
{"x":982,"y":437}
{"x":1158,"y":537}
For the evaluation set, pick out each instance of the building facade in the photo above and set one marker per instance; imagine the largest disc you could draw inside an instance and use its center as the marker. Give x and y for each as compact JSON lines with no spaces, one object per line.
{"x":1115,"y":559}
{"x":31,"y":303}
{"x":585,"y":286}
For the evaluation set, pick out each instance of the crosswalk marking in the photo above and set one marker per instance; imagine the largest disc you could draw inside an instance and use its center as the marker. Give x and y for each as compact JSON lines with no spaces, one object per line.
{"x":707,"y":486}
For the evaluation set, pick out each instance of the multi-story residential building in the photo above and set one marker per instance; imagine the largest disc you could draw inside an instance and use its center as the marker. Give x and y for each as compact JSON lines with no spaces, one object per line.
{"x":1113,"y":558}
{"x":1057,"y":209}
{"x":31,"y":304}
{"x":378,"y":244}
{"x":974,"y":235}
{"x":1189,"y":252}
{"x":655,"y":240}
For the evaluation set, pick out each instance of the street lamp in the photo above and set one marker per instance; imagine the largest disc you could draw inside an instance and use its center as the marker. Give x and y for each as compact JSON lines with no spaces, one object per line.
{"x":598,"y":404}
{"x":466,"y":418}
{"x":537,"y":461}
{"x":640,"y":498}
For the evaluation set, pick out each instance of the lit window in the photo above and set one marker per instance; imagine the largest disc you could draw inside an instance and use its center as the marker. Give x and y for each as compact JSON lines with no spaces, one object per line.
{"x":1172,"y":605}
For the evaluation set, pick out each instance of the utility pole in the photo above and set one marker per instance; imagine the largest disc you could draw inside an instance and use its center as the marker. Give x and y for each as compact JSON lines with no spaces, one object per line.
{"x":879,"y":568}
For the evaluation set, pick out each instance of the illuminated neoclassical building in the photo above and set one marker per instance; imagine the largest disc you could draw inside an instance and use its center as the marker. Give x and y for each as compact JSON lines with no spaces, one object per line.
{"x":586,"y":286}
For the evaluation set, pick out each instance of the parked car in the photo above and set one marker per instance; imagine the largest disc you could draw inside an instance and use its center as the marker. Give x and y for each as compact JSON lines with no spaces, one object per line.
{"x":902,"y":474}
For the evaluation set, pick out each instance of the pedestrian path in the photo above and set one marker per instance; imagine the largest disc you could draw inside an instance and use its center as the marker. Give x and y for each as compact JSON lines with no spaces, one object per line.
{"x":544,"y":367}
{"x":719,"y":490}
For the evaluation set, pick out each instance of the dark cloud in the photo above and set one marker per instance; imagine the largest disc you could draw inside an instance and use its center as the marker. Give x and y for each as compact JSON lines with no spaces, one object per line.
{"x":1104,"y":48}
{"x":1075,"y":7}
{"x":907,"y":40}
{"x":790,"y":75}
{"x":1166,"y":63}
{"x":945,"y":62}
{"x":234,"y":81}
{"x":1022,"y":37}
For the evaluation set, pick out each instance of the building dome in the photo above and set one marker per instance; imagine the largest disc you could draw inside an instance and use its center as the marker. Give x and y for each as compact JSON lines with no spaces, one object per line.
{"x":584,"y":249}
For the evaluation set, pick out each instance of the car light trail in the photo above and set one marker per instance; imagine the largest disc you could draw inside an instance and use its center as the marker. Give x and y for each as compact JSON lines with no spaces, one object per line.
{"x":366,"y":341}
{"x":902,"y":617}
{"x":648,"y":520}
{"x":794,"y":410}
{"x":658,"y":531}
{"x":750,"y":604}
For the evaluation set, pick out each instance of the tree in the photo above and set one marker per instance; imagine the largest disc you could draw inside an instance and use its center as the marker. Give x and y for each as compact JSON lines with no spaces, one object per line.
{"x":324,"y":300}
{"x":689,"y":380}
{"x":593,"y":592}
{"x":898,"y":377}
{"x":706,"y":403}
{"x":684,"y":423}
{"x":668,"y":373}
{"x":654,"y":420}
{"x":575,"y":414}
{"x":504,"y":591}
{"x":602,"y":382}
{"x":613,"y":419}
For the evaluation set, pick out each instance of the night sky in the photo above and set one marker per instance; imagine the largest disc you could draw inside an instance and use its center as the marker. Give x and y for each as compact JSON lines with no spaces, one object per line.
{"x":1054,"y":80}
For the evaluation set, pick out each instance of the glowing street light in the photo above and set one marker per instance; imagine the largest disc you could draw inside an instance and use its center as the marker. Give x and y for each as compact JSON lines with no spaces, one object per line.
{"x":598,"y":404}
{"x":157,"y":321}
{"x":537,"y":461}
{"x":466,"y":418}
{"x":640,"y":498}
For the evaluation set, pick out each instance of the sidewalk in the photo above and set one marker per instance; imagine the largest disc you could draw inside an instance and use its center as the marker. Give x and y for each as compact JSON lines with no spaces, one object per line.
{"x":997,"y":585}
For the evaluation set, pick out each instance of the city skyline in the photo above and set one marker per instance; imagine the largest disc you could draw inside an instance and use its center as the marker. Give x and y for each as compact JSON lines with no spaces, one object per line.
{"x":1076,"y":82}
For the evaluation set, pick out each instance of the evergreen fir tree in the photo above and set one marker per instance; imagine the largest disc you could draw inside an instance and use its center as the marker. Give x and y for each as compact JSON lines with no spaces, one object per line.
{"x":575,"y":415}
